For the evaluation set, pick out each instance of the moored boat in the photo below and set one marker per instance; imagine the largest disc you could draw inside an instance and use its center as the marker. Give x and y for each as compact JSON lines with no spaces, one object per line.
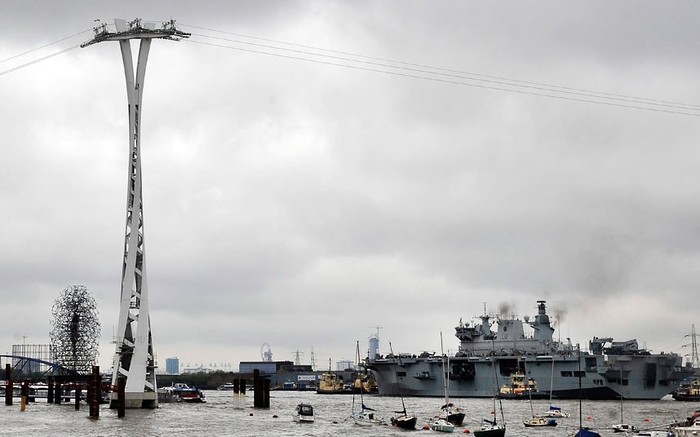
{"x":521,"y":387}
{"x":332,"y":384}
{"x":303,"y":413}
{"x":539,"y":421}
{"x":553,"y":412}
{"x":404,"y":421}
{"x":440,"y":424}
{"x":684,"y":431}
{"x":689,"y":390}
{"x":490,"y":428}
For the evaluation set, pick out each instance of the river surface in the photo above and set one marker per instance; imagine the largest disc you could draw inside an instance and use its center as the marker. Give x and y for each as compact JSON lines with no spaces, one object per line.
{"x":223,"y":415}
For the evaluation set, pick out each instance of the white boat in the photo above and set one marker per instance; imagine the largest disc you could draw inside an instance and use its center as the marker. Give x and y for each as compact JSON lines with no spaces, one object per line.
{"x":554,"y":412}
{"x":624,"y":427}
{"x":303,"y":413}
{"x":366,"y":416}
{"x":683,"y":431}
{"x":449,"y":412}
{"x":441,"y":425}
{"x":540,"y":421}
{"x":654,"y":434}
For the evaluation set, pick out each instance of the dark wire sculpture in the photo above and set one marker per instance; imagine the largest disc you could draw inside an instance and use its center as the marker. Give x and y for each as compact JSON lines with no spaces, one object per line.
{"x":75,"y":330}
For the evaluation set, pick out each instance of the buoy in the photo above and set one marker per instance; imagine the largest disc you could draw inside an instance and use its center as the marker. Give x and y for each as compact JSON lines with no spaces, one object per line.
{"x":646,"y":420}
{"x":250,"y":414}
{"x":589,"y":417}
{"x":466,"y":431}
{"x":426,"y":427}
{"x":274,"y":416}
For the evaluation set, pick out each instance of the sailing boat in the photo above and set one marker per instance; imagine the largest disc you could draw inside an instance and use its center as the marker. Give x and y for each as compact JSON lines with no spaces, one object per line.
{"x":441,"y":422}
{"x":535,"y":421}
{"x":365,"y":417}
{"x":582,"y":432}
{"x":622,"y":426}
{"x":403,"y":421}
{"x":491,"y":428}
{"x":452,"y":414}
{"x":554,"y":411}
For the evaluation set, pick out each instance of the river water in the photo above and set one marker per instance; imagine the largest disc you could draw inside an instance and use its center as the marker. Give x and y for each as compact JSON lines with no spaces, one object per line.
{"x":222,"y":415}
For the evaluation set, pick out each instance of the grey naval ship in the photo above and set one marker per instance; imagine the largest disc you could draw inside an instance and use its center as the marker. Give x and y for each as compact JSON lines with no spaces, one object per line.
{"x":608,"y":370}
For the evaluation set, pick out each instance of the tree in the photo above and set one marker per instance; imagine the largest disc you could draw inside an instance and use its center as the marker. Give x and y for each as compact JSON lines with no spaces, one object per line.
{"x":75,"y":329}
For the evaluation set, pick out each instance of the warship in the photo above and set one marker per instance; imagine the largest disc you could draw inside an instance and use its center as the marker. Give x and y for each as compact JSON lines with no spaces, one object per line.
{"x":608,"y":370}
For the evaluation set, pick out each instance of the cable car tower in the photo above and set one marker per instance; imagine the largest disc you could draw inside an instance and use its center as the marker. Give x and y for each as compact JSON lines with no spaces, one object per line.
{"x":134,"y":359}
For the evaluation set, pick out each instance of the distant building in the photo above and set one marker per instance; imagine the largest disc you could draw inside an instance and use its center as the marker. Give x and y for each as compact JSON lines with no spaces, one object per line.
{"x":345,"y":365}
{"x":172,"y":366}
{"x":198,"y":369}
{"x":42,"y":352}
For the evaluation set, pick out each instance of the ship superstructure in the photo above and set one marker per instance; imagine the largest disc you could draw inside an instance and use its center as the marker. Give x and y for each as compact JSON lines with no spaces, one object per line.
{"x":607,"y":371}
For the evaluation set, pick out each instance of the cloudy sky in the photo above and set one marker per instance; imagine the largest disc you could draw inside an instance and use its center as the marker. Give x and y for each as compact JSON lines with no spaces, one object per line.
{"x":316,"y":169}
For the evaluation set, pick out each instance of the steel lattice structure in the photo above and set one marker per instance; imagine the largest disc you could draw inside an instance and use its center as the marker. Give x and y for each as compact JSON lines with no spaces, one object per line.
{"x":134,"y":359}
{"x":75,"y":330}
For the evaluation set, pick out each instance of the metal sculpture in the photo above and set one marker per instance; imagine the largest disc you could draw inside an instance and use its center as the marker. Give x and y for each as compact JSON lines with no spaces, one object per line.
{"x":75,"y":331}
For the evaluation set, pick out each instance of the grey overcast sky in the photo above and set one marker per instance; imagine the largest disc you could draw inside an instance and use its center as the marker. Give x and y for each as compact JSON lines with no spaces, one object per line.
{"x":315,"y":169}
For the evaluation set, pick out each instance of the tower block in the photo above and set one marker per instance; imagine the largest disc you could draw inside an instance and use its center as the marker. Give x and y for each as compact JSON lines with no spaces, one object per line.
{"x":134,"y":359}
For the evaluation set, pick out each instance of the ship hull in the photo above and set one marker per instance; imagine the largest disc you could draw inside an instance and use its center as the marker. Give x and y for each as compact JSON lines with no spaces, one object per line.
{"x":645,"y":376}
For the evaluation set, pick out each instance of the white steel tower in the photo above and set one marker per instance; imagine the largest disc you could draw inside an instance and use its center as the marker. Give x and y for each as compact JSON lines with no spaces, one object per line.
{"x":134,"y":359}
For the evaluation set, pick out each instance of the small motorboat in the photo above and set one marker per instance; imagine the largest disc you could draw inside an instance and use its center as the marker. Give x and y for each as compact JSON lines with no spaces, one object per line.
{"x":180,"y":392}
{"x":303,"y":413}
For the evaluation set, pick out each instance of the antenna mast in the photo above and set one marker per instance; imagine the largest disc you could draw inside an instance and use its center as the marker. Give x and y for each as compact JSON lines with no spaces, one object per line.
{"x":694,"y":358}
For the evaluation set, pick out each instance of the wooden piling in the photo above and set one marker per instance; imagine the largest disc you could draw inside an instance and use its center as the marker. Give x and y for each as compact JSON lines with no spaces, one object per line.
{"x":266,"y":393}
{"x":24,"y":394}
{"x":257,"y":389}
{"x":242,"y":386}
{"x":261,"y":397}
{"x":121,"y":397}
{"x":58,"y":393}
{"x":8,"y":384}
{"x":49,"y":395}
{"x":95,"y":392}
{"x":78,"y":392}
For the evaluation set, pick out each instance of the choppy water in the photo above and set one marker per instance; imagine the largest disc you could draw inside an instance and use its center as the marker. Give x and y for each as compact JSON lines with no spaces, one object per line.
{"x":224,"y":416}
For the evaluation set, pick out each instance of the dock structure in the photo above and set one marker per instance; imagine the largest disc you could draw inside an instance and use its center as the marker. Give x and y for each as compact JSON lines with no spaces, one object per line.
{"x":134,"y":359}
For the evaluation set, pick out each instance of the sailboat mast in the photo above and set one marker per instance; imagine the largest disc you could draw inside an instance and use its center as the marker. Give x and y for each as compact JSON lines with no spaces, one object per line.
{"x":580,"y":390}
{"x":398,"y":384}
{"x":444,"y":374}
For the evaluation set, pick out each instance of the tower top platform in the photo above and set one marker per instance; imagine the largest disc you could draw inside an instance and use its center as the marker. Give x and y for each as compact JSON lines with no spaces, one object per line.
{"x":136,"y":30}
